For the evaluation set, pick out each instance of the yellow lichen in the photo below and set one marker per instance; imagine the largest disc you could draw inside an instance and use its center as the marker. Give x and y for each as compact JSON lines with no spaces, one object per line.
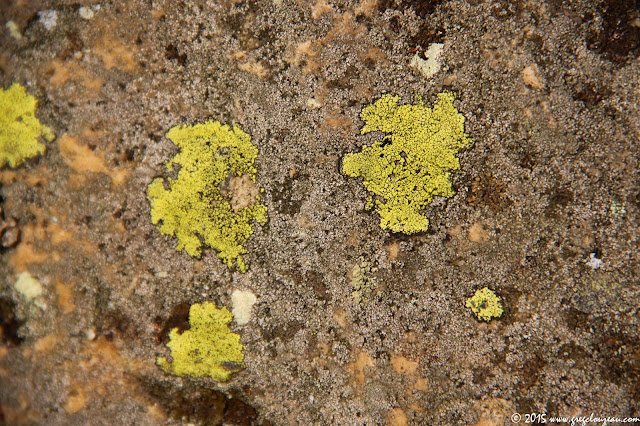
{"x":197,"y":208}
{"x":485,"y":304}
{"x":19,"y":127}
{"x":411,"y":165}
{"x":208,"y":348}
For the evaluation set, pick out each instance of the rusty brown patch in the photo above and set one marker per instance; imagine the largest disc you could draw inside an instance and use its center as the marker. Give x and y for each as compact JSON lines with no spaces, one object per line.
{"x":402,"y":365}
{"x":358,"y":368}
{"x":477,"y":233}
{"x":64,"y":71}
{"x":65,"y":297}
{"x":397,"y":417}
{"x":115,"y":54}
{"x":85,"y":161}
{"x":488,"y":190}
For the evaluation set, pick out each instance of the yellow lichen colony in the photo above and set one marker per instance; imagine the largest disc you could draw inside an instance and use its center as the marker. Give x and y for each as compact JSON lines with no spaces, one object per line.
{"x":195,"y":208}
{"x":411,"y":165}
{"x":19,"y":127}
{"x":208,"y":348}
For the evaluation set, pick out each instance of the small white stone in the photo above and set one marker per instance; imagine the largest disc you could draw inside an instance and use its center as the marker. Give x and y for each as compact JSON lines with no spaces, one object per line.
{"x":48,"y":19}
{"x":90,"y":334}
{"x":85,"y":13}
{"x":29,"y":287}
{"x":14,"y":31}
{"x":593,"y":262}
{"x":429,"y":66}
{"x":313,"y":103}
{"x":242,"y":302}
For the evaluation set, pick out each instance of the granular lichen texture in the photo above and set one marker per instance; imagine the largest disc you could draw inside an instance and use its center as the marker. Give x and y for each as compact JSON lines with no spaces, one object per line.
{"x":485,"y":304}
{"x":412,"y":163}
{"x":363,"y":281}
{"x":196,"y":207}
{"x":19,"y":127}
{"x":208,"y":348}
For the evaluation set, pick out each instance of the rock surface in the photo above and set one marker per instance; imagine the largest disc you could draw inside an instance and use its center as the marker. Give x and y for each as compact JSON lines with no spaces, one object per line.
{"x":551,"y":95}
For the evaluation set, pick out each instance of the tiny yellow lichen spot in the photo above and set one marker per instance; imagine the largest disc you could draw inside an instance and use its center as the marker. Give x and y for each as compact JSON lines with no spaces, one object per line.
{"x":208,"y":348}
{"x":485,"y":304}
{"x":196,"y":208}
{"x":411,"y":165}
{"x":19,"y":127}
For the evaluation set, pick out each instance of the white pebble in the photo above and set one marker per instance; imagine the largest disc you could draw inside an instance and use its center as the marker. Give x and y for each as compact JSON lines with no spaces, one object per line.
{"x":86,"y":12}
{"x":48,"y":18}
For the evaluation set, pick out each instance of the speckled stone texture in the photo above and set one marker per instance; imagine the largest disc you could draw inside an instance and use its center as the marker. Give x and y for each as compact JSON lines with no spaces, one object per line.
{"x":551,"y":93}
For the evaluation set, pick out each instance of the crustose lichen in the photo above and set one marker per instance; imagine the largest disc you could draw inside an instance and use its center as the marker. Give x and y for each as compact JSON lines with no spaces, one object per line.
{"x":208,"y":348}
{"x":412,"y":163}
{"x":19,"y":127}
{"x":485,"y":304}
{"x":201,"y":206}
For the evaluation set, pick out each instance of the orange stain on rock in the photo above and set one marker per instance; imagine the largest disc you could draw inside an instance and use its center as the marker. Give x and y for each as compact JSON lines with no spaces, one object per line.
{"x":46,"y":343}
{"x":65,"y":71}
{"x":115,"y":54}
{"x":8,"y":176}
{"x":397,"y":417}
{"x":421,"y":384}
{"x":357,"y":368}
{"x":337,"y":120}
{"x":302,"y":56}
{"x":57,"y":234}
{"x":80,"y":157}
{"x":83,"y":160}
{"x":65,"y":297}
{"x":402,"y":365}
{"x":25,"y":255}
{"x":345,"y":26}
{"x":253,"y":67}
{"x":31,"y":176}
{"x":248,"y":64}
{"x":76,"y":401}
{"x":116,"y":375}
